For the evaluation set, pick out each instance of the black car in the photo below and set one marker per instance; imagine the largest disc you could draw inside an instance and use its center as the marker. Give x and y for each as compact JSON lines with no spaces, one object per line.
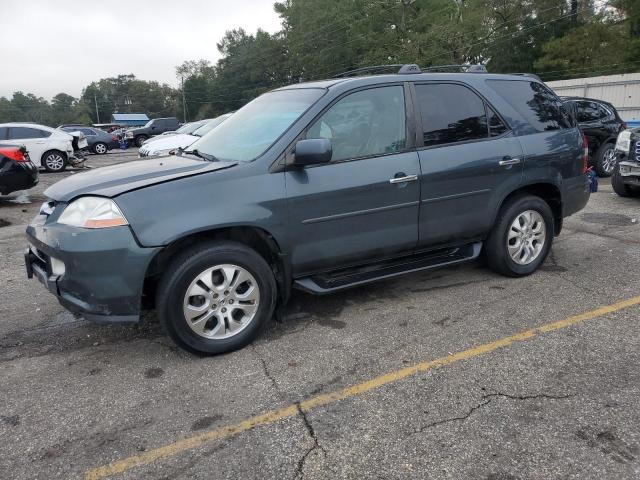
{"x":626,"y":175}
{"x":317,"y":186}
{"x":152,"y":128}
{"x":17,"y":172}
{"x":601,"y":124}
{"x":98,"y":141}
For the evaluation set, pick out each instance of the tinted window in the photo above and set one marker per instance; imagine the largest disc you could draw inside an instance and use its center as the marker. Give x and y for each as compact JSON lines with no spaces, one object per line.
{"x":365,"y":123}
{"x":496,"y":126}
{"x":3,"y":133}
{"x":590,"y":112}
{"x":535,"y":102}
{"x":450,"y":113}
{"x":19,"y":133}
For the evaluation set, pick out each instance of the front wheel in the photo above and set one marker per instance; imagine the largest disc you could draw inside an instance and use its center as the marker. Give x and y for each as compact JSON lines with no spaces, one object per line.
{"x":54,"y":161}
{"x":140,"y":140}
{"x":215,"y":297}
{"x":606,"y":160}
{"x":521,"y":238}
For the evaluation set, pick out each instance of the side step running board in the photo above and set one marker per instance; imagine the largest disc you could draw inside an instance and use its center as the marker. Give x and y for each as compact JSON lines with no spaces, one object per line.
{"x":351,"y":277}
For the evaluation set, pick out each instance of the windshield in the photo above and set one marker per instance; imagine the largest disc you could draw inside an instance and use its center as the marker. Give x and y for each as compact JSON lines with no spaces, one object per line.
{"x":250,"y":131}
{"x":190,"y":127}
{"x":148,"y":124}
{"x":210,"y":125}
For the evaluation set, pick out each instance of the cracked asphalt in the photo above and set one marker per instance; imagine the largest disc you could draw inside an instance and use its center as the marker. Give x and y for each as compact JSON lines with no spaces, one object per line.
{"x":75,"y":395}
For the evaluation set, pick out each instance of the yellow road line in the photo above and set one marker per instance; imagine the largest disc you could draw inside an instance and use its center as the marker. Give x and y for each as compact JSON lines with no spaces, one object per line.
{"x":195,"y":441}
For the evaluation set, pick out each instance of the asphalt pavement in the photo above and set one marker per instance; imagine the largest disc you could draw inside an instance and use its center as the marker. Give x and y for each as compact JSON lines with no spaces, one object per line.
{"x":448,"y":374}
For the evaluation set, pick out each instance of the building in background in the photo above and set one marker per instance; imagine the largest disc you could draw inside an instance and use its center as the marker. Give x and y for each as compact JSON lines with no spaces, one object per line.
{"x":623,"y":91}
{"x":129,"y":119}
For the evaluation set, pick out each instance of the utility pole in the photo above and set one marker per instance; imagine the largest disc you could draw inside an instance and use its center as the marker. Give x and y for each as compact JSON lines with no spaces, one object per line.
{"x":184,"y":104}
{"x":97,"y":112}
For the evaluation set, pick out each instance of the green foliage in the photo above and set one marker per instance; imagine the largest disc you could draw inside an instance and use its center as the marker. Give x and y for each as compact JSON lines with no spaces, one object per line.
{"x":319,"y":39}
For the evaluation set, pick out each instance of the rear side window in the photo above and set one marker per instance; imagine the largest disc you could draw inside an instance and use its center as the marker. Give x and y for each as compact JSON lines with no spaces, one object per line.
{"x":3,"y":133}
{"x":590,"y":112}
{"x":452,"y":113}
{"x":535,"y":102}
{"x":19,"y":133}
{"x":496,"y":126}
{"x":363,"y":124}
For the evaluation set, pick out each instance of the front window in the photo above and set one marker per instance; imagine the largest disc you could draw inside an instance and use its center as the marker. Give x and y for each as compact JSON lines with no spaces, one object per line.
{"x":250,"y":131}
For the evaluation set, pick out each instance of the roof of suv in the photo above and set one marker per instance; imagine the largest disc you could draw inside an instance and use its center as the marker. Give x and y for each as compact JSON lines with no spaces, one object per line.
{"x":390,"y":78}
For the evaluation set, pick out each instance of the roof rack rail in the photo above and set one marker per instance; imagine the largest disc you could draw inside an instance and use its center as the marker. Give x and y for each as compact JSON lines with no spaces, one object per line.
{"x":478,"y":68}
{"x":400,"y":68}
{"x":532,"y":75}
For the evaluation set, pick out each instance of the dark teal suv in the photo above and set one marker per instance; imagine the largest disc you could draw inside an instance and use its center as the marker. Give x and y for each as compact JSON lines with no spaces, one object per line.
{"x":318,"y":186}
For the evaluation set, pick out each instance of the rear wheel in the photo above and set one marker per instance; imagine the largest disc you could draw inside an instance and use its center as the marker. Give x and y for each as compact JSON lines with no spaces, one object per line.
{"x":605,"y":160}
{"x":521,"y":238}
{"x":54,"y":161}
{"x":215,"y":297}
{"x":100,"y":148}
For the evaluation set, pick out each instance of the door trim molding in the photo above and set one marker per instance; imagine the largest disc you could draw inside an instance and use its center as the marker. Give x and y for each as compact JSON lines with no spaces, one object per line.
{"x":457,"y":195}
{"x":355,"y":213}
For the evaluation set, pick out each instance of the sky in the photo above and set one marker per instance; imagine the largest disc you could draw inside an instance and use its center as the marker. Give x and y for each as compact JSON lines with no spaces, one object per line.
{"x":53,"y":46}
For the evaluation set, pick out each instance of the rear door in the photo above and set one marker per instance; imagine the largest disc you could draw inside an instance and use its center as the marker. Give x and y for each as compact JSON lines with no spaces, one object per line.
{"x":363,"y":205}
{"x":469,"y":158}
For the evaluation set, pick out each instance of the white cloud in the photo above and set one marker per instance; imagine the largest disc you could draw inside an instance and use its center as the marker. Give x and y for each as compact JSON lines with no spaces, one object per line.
{"x":61,"y":46}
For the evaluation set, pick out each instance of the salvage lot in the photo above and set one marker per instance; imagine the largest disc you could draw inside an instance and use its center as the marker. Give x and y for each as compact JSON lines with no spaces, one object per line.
{"x":558,"y":404}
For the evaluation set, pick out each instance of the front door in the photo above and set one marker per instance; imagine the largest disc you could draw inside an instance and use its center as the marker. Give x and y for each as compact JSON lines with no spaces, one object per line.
{"x":363,"y":205}
{"x":469,"y":160}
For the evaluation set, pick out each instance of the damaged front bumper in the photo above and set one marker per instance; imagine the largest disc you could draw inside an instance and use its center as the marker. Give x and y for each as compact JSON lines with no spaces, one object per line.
{"x":98,"y":274}
{"x":630,"y":173}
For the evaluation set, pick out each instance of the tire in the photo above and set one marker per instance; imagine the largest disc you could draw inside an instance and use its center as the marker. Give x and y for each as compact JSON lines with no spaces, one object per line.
{"x":140,"y":139}
{"x":497,"y":253}
{"x":54,"y":161}
{"x":620,"y":188}
{"x":212,"y":332}
{"x":100,"y":148}
{"x":605,"y":160}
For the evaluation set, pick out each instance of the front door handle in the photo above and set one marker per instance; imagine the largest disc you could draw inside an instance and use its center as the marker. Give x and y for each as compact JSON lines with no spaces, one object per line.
{"x":406,"y":178}
{"x":506,"y":161}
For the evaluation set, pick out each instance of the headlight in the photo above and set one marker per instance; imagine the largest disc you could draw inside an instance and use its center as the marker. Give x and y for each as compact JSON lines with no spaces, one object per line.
{"x":92,"y":212}
{"x":623,"y":144}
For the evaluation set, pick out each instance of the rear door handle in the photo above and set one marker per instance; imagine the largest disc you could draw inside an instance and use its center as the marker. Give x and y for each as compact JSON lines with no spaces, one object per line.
{"x":406,"y":178}
{"x":509,"y":161}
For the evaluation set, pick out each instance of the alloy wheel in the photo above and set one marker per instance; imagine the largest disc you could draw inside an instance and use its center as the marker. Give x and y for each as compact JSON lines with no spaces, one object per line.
{"x":221,"y":301}
{"x":54,"y":162}
{"x":609,"y":160}
{"x":101,"y":148}
{"x":526,"y":237}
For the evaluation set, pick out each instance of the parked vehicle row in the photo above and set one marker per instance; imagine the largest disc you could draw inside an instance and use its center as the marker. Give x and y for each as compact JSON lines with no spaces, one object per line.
{"x":98,"y":141}
{"x":318,"y":186}
{"x":185,"y":136}
{"x":48,"y":147}
{"x":601,"y":124}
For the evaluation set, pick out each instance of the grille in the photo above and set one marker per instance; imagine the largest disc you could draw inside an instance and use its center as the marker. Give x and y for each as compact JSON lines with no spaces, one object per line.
{"x":637,"y":150}
{"x":143,"y":153}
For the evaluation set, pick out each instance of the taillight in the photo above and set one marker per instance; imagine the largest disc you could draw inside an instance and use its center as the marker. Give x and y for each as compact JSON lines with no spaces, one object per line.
{"x":14,"y":153}
{"x":624,"y":126}
{"x":585,"y":154}
{"x":114,"y":138}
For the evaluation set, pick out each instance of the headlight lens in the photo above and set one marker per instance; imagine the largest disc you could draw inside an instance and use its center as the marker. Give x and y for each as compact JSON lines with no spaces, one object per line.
{"x":623,"y":144}
{"x":92,"y":212}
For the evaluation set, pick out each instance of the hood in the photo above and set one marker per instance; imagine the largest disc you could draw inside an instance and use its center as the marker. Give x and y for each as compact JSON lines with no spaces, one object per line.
{"x":168,"y":142}
{"x":117,"y":179}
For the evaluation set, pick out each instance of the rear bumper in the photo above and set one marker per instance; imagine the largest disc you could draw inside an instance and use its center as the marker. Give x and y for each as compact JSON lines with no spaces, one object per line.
{"x":18,"y":176}
{"x":96,"y":273}
{"x":575,"y":195}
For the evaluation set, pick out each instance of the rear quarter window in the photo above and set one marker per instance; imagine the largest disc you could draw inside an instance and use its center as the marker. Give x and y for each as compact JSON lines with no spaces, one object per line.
{"x":537,"y":104}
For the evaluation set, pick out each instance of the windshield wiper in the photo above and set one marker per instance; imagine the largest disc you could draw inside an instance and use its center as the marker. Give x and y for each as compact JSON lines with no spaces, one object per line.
{"x":205,"y":156}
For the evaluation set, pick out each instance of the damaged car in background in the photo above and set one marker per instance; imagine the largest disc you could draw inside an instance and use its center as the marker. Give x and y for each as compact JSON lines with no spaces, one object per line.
{"x":626,"y":176}
{"x":49,"y":148}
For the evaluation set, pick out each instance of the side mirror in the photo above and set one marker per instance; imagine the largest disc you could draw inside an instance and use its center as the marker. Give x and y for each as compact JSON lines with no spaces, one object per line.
{"x":312,"y":152}
{"x":153,"y":127}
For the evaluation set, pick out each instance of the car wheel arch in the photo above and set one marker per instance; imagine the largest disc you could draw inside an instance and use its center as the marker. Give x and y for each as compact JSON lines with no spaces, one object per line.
{"x":549,"y":192}
{"x":257,"y":238}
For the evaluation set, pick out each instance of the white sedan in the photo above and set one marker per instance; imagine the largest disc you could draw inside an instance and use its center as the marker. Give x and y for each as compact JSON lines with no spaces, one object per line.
{"x":163,"y":144}
{"x":50,"y":148}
